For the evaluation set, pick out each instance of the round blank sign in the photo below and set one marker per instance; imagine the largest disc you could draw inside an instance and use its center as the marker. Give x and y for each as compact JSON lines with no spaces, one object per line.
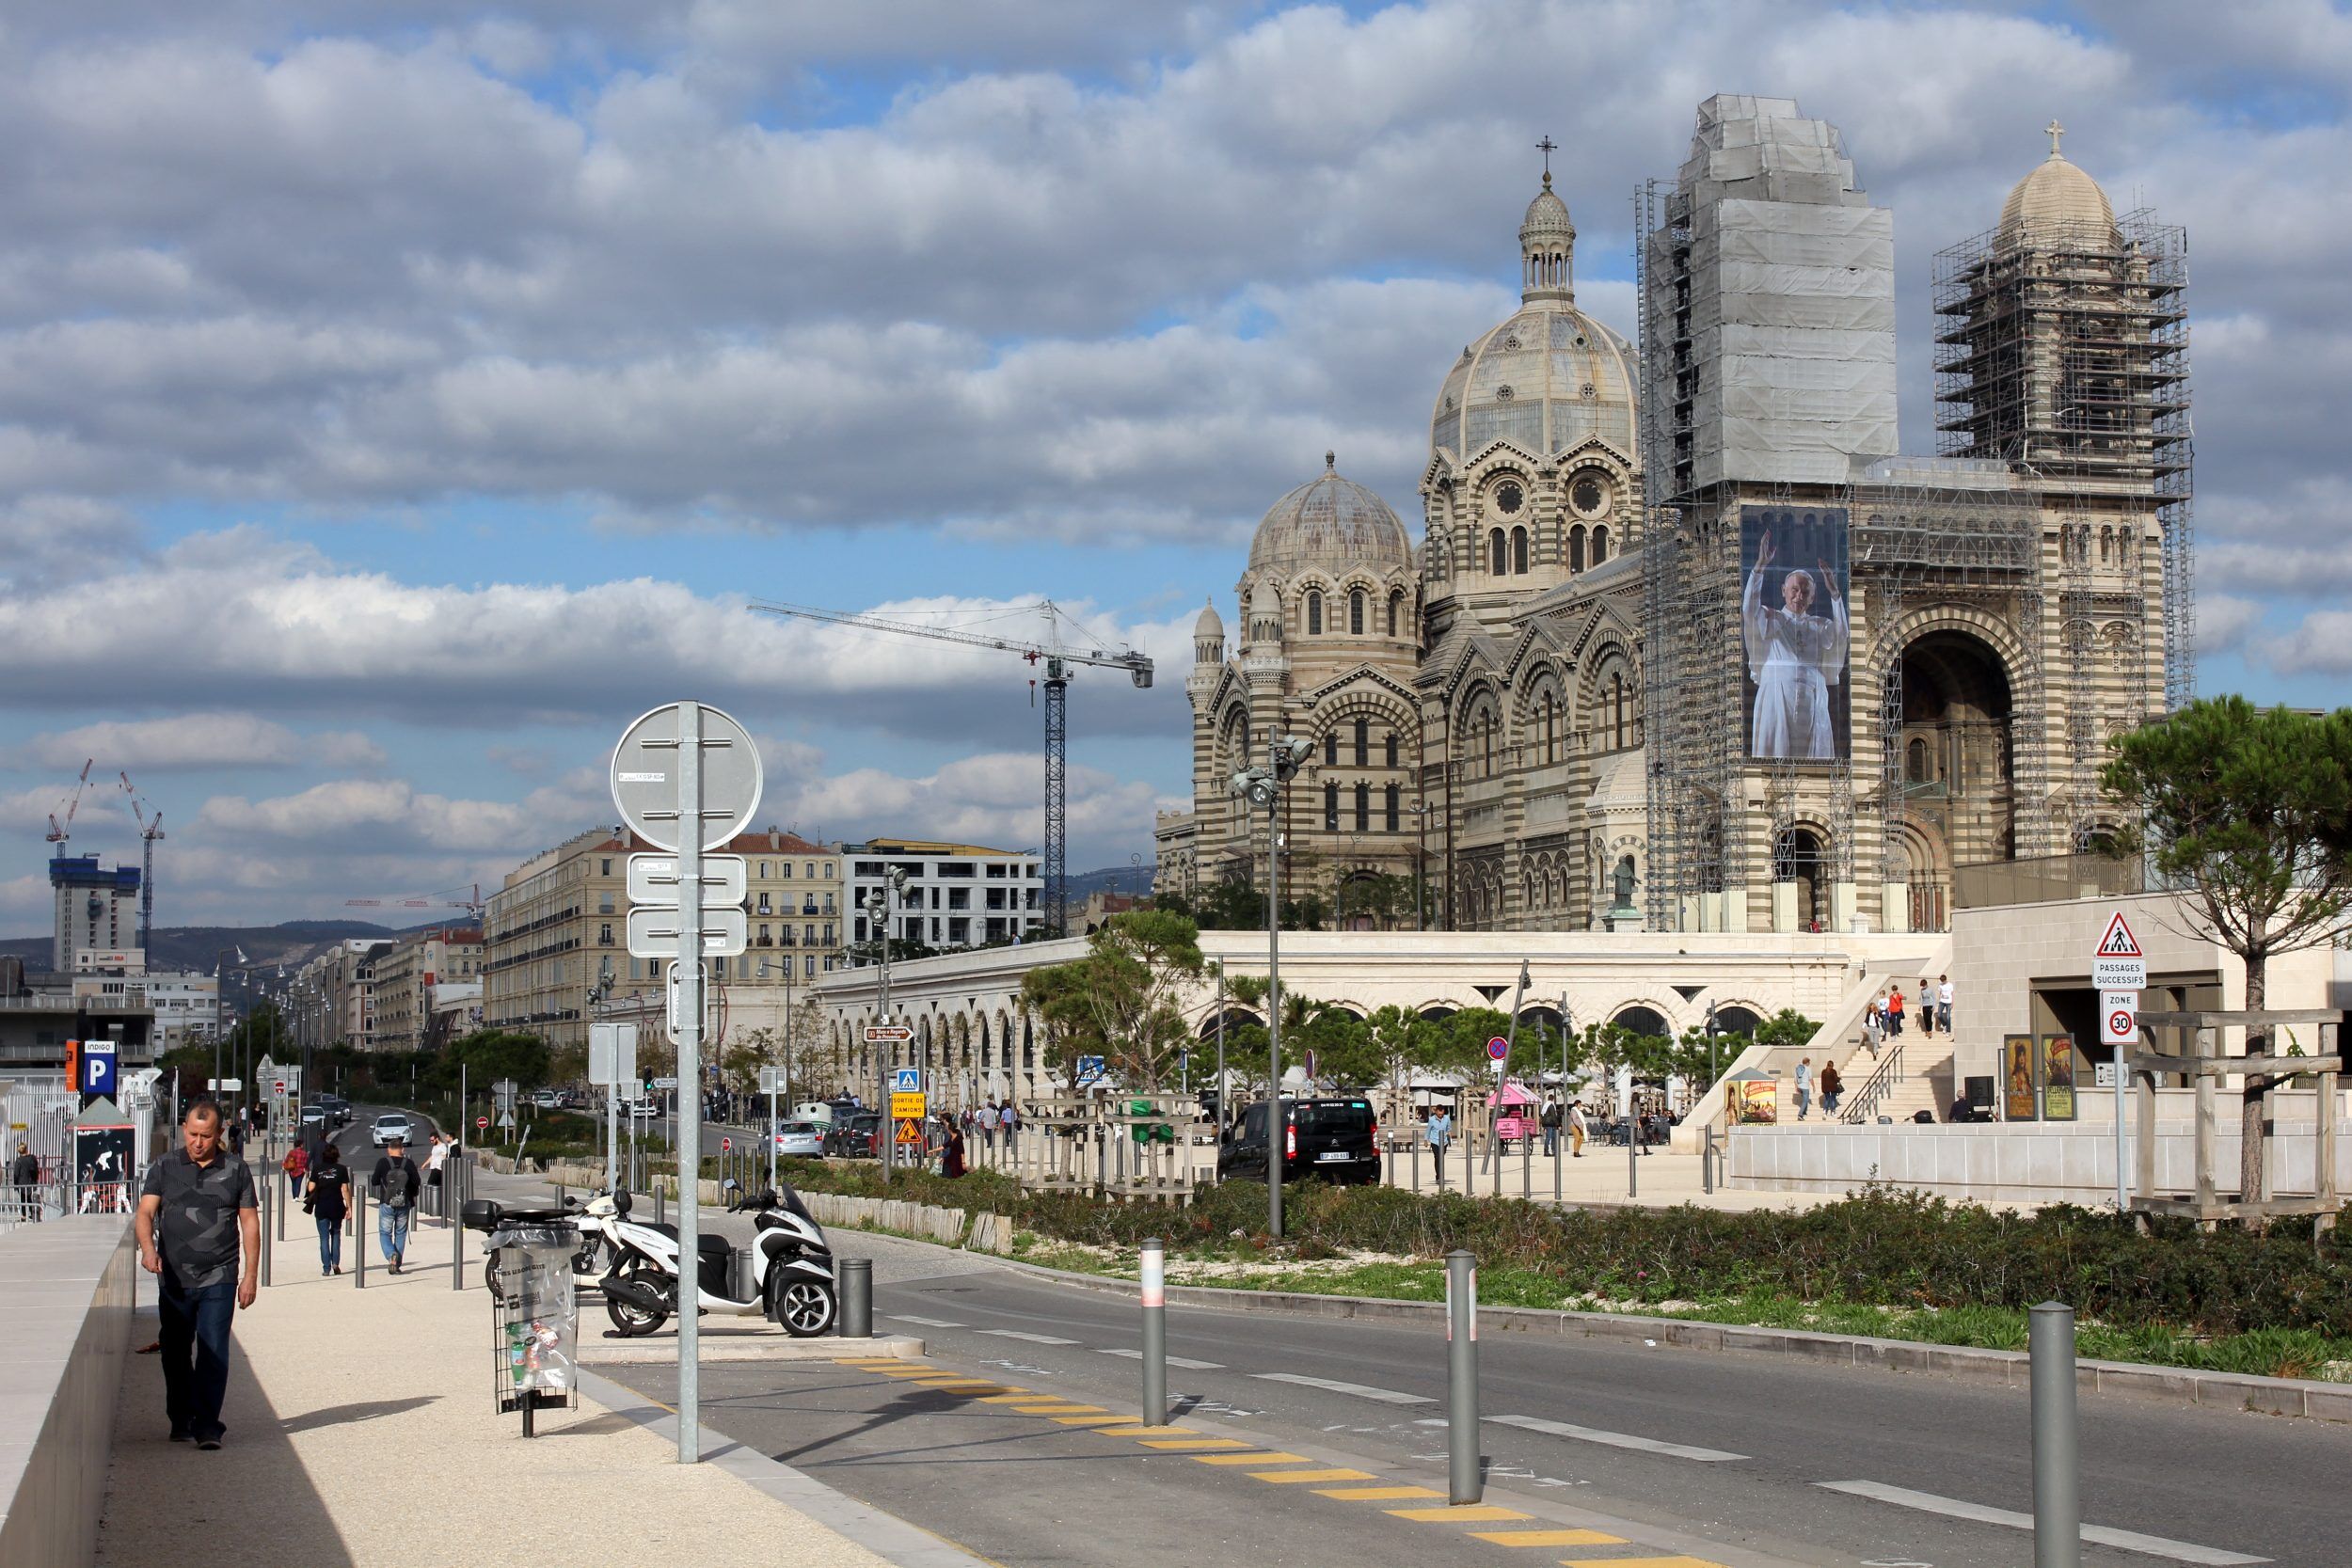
{"x":645,"y":777}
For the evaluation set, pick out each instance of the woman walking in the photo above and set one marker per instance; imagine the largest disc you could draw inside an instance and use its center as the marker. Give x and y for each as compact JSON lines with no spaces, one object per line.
{"x":328,"y":1200}
{"x":297,"y":1164}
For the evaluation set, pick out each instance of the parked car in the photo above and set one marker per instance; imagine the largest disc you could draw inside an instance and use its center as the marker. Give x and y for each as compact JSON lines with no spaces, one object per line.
{"x":800,"y":1138}
{"x":1337,"y":1138}
{"x":854,"y":1138}
{"x":548,"y":1100}
{"x":390,"y":1125}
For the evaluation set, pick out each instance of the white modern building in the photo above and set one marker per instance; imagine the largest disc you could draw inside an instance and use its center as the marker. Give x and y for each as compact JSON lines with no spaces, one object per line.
{"x":956,"y":895}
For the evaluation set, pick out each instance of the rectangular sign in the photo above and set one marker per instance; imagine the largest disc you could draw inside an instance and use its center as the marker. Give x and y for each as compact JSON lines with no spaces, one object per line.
{"x":884,"y":1034}
{"x":771,"y":1080}
{"x":2057,"y":1077}
{"x":612,"y":1053}
{"x":1090,"y":1068}
{"x":675,"y":1015}
{"x":905,"y":1105}
{"x":1793,"y":632}
{"x":906,"y":1080}
{"x":2119,"y":1018}
{"x":653,"y":879}
{"x":665,"y":1082}
{"x":2118,"y":964}
{"x":2020,"y":1100}
{"x":653,"y":931}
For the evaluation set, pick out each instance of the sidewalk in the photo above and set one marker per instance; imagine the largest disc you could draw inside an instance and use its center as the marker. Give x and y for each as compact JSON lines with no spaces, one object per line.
{"x":362,"y":1433}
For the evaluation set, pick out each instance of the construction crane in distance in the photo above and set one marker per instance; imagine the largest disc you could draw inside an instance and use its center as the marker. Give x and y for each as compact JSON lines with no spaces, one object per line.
{"x":1057,"y":655}
{"x":60,"y":832}
{"x":151,"y":828}
{"x":447,"y":899}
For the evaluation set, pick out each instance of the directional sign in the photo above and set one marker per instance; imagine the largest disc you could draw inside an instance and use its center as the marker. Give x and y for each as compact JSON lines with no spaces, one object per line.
{"x":2119,"y":1017}
{"x":884,"y":1034}
{"x":906,"y":1080}
{"x":653,"y":879}
{"x":2118,"y":964}
{"x":653,"y":931}
{"x":645,"y":777}
{"x":612,"y":1053}
{"x":665,"y":1082}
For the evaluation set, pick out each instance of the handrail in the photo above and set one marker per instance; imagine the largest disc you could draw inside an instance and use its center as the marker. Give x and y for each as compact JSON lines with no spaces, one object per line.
{"x":1880,"y":1083}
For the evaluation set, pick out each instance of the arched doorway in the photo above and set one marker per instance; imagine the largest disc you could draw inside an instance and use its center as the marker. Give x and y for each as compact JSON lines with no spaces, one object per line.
{"x":1736,"y":1020}
{"x":1957,"y":762}
{"x":1643,"y":1021}
{"x":1800,"y":857}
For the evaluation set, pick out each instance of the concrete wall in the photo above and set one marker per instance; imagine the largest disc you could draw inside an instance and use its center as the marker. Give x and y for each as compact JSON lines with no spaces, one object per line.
{"x":2019,"y":1163}
{"x":65,"y":1293}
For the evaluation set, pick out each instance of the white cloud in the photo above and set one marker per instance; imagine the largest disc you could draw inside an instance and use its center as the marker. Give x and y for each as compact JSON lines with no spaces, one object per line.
{"x":206,"y":741}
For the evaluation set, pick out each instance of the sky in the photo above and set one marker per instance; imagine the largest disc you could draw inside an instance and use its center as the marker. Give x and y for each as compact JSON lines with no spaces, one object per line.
{"x":397,"y":397}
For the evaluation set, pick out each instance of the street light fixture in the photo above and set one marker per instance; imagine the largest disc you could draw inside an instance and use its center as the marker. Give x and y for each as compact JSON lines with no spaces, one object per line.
{"x":1264,"y":786}
{"x":877,"y":904}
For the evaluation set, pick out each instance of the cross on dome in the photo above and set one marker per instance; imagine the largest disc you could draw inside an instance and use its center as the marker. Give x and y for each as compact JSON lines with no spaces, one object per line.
{"x":1548,"y":147}
{"x":2056,"y":130}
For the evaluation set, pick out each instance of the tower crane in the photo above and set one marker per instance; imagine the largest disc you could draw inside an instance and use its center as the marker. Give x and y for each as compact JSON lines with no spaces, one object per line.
{"x":446,"y":898}
{"x":151,"y":828}
{"x":1057,"y":655}
{"x":60,"y":832}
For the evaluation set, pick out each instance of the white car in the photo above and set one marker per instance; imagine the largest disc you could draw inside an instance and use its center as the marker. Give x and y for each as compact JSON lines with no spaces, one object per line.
{"x":802,"y":1139}
{"x":390,"y":1126}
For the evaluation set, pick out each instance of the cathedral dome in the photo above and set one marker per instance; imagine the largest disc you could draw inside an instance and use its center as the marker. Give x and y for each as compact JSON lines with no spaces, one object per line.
{"x":1333,"y":523}
{"x":2057,"y":198}
{"x":1210,"y":623}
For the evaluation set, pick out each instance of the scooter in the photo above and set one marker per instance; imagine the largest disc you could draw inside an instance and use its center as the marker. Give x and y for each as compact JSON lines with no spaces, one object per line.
{"x":793,"y":1275}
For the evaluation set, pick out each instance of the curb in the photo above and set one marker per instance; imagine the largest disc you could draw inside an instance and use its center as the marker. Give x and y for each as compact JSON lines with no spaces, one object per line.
{"x":2267,"y":1395}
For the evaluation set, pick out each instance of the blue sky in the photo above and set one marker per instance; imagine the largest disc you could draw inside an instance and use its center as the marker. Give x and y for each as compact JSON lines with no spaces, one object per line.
{"x":390,"y":409}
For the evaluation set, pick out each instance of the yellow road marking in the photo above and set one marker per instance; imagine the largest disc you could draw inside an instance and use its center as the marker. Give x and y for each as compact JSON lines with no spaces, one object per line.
{"x":1194,"y":1443}
{"x":1139,"y":1429}
{"x":951,"y":1381}
{"x":1549,"y":1538}
{"x":1637,"y":1562}
{"x":1060,"y":1407}
{"x":1091,"y":1421}
{"x":1469,"y":1514}
{"x":1271,"y":1456}
{"x":869,"y":1361}
{"x":1375,"y":1494}
{"x":1010,"y":1399}
{"x":1283,"y":1477}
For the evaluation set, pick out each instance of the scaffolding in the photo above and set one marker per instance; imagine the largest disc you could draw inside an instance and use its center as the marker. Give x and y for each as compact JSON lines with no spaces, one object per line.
{"x":2063,"y":348}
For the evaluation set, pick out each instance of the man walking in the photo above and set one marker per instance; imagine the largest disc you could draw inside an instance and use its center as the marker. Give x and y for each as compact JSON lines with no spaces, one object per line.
{"x":1579,"y":1129}
{"x":24,"y":1171}
{"x":1944,"y":1003}
{"x":1804,"y":1087}
{"x":1552,"y":1129}
{"x":1440,"y":1129}
{"x":197,"y":1212}
{"x":988,"y":1128}
{"x":395,"y":1182}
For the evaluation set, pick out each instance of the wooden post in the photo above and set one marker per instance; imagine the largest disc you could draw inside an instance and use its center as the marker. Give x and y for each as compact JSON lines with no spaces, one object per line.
{"x":2325,"y":1174}
{"x":2204,"y":1123}
{"x":2144,"y":1102}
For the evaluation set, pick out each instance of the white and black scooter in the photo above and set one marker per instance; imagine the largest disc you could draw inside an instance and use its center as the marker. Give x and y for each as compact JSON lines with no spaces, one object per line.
{"x":792,"y":1278}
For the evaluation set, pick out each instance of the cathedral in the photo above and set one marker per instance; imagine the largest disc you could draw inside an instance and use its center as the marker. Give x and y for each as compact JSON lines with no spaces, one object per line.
{"x":1686,"y":642}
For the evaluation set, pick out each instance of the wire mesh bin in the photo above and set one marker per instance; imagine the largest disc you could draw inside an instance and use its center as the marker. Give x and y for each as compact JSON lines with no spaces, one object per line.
{"x":535,"y":1321}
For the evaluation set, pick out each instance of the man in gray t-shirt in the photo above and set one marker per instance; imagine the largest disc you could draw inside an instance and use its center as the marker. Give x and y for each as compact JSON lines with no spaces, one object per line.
{"x":197,"y":1215}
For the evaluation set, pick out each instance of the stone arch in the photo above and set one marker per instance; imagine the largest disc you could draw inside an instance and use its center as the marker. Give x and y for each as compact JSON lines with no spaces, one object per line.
{"x":1643,"y":1017}
{"x":1610,"y":707}
{"x":1480,"y":736}
{"x":1740,"y":1018}
{"x":1804,"y":853}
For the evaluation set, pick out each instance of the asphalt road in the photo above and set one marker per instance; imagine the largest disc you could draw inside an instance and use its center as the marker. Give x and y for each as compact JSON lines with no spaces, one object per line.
{"x":1812,"y":1464}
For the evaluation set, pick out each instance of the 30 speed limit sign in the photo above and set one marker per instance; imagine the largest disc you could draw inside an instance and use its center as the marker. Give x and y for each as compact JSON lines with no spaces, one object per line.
{"x":2119,"y":1017}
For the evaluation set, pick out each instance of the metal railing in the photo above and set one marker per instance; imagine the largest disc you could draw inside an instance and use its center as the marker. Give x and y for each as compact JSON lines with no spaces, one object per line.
{"x":1882,"y":1083}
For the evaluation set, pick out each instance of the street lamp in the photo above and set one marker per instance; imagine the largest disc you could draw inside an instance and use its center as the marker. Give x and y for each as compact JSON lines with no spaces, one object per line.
{"x":1264,"y":786}
{"x":1421,"y":864}
{"x":878,"y":911}
{"x":221,"y":971}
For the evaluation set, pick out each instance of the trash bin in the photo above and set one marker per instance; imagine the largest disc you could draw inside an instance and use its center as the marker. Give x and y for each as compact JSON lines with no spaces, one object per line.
{"x":535,"y":1319}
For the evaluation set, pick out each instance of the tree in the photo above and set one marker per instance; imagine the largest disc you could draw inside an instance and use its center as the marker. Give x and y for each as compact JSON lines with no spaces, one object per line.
{"x":2249,"y":811}
{"x":1787,"y":1028}
{"x":1384,"y":899}
{"x":490,"y":1054}
{"x":1137,"y":965}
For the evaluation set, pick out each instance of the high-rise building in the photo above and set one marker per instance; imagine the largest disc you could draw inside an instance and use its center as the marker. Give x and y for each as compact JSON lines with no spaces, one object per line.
{"x":95,"y":908}
{"x":956,"y":895}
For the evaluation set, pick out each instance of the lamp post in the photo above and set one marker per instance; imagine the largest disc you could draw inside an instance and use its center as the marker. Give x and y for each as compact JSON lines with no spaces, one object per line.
{"x":222,"y":968}
{"x":1420,"y":810}
{"x":878,"y":903}
{"x":1264,"y":786}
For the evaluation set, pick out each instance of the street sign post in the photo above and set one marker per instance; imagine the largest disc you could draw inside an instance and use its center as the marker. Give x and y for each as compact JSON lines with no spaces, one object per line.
{"x":888,"y":1033}
{"x":774,"y":1081}
{"x":2119,"y":1026}
{"x":687,"y":778}
{"x":710,"y":1002}
{"x":2118,"y":964}
{"x":611,"y":1062}
{"x":653,"y":879}
{"x":482,"y":1124}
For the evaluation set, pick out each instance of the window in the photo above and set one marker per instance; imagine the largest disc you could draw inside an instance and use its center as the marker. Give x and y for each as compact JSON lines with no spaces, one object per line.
{"x":808,"y":964}
{"x":1588,"y":493}
{"x":1494,"y":553}
{"x":810,"y":871}
{"x":1576,"y":548}
{"x":1389,"y":746}
{"x":604,"y":934}
{"x":1363,"y":808}
{"x":1395,"y":600}
{"x":1364,"y":742}
{"x":1331,"y":808}
{"x":1518,"y":551}
{"x":808,"y":936}
{"x":1508,"y":496}
{"x":1388,"y":807}
{"x":763,"y":871}
{"x":1314,"y":612}
{"x":1331,"y":748}
{"x":1549,"y":736}
{"x":1600,"y":543}
{"x":605,"y":866}
{"x":1355,"y":612}
{"x":787,"y":869}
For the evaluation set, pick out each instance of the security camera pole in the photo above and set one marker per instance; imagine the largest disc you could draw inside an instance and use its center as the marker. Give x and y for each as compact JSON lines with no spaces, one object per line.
{"x":1263,"y":786}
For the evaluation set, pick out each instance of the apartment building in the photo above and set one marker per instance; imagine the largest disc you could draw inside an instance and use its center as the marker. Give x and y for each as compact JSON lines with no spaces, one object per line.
{"x":408,"y":974}
{"x":333,"y":996}
{"x":957,"y":894}
{"x":559,"y":924}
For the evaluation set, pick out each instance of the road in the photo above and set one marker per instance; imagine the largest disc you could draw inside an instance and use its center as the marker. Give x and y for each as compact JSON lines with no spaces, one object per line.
{"x":1812,"y":1464}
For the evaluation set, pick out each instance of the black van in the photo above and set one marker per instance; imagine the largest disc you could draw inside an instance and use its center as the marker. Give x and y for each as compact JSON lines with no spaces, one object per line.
{"x":1337,"y":1138}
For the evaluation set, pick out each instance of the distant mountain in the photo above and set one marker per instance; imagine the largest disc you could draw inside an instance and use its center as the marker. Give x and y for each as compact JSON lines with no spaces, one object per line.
{"x":199,"y":947}
{"x":1111,"y":878}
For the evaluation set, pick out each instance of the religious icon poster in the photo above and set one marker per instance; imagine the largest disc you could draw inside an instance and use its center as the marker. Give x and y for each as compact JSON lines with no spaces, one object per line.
{"x":1794,"y":635}
{"x":2019,"y":1100}
{"x":2058,"y":1078}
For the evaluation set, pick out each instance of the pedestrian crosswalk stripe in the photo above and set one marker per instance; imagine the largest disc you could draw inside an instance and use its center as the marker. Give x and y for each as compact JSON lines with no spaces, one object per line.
{"x":1375,"y":1494}
{"x":1639,"y":1563}
{"x":1271,"y":1456}
{"x":1285,"y":1477}
{"x":1471,"y":1513}
{"x":1549,"y":1538}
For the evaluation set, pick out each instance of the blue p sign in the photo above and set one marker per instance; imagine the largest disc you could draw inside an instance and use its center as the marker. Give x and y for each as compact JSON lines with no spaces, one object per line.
{"x":98,"y":1068}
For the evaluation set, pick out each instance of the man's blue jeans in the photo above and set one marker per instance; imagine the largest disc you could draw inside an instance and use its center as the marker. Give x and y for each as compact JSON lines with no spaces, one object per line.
{"x":330,"y":1243}
{"x":391,"y":1232}
{"x":195,"y":1335}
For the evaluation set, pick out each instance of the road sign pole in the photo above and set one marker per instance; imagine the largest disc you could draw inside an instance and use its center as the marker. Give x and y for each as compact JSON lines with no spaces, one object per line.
{"x":690,"y":1072}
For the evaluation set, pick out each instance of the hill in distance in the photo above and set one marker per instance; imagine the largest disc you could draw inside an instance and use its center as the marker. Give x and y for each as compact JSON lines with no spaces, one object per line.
{"x":199,"y":947}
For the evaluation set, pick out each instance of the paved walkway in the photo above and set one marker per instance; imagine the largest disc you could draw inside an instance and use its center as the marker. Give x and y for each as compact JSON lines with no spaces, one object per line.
{"x":363,"y":1431}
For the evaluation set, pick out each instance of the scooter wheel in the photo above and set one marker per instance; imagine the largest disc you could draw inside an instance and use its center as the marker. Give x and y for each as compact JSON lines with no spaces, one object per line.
{"x":630,"y":1321}
{"x":805,"y":1308}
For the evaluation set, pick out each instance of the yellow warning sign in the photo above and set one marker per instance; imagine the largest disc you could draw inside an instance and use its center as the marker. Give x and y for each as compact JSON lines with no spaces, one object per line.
{"x":910,"y":1130}
{"x":905,"y":1105}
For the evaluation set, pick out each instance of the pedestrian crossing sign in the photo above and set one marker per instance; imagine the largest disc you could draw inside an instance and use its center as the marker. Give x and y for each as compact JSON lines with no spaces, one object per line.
{"x":2118,"y":964}
{"x":2120,"y":943}
{"x":906,"y":1080}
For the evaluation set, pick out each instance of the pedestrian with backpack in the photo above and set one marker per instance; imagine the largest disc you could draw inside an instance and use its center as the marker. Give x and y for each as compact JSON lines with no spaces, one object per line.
{"x":327,"y":1198}
{"x":395,"y":1181}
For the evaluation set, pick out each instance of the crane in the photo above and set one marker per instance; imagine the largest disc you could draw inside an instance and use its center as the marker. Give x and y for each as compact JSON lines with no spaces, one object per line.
{"x":1057,"y":657}
{"x":446,"y":898}
{"x":60,"y":832}
{"x":151,"y":828}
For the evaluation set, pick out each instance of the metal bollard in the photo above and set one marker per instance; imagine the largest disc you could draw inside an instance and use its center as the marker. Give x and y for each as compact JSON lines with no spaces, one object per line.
{"x":1154,"y":1332}
{"x":269,"y":1200}
{"x":1465,"y":1483}
{"x":857,"y":1298}
{"x":2058,"y":1521}
{"x":660,"y":1194}
{"x":454,"y":1175}
{"x":1707,"y":1161}
{"x":1632,"y":1149}
{"x":358,"y":1233}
